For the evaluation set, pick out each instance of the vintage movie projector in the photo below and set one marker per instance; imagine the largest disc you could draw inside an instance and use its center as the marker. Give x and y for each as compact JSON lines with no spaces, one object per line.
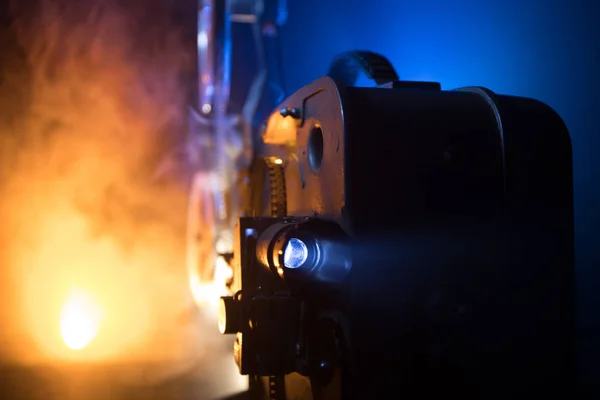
{"x":403,"y":241}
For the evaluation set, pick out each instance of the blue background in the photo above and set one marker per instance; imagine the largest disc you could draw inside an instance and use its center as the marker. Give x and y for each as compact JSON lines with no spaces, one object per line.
{"x":544,"y":49}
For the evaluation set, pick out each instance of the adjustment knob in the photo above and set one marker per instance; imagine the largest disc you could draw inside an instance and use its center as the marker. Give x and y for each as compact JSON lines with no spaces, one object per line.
{"x":229,"y":315}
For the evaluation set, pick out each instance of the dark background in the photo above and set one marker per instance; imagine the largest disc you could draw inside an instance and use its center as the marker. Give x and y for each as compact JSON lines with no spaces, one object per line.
{"x":545,"y":49}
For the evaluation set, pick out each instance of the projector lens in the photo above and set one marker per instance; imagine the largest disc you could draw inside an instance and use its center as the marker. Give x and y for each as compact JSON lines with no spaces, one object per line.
{"x":295,"y":253}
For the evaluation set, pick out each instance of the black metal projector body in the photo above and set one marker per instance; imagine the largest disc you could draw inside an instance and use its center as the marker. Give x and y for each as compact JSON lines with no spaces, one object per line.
{"x":457,"y":206}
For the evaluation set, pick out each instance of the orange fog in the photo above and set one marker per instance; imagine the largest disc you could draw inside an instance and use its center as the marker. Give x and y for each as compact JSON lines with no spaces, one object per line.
{"x":93,"y":249}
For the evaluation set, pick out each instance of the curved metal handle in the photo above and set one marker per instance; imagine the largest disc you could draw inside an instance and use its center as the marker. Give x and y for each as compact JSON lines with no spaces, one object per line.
{"x":347,"y":66}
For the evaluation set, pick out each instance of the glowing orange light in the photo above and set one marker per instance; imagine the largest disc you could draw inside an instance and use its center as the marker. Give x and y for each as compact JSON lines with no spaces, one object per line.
{"x":80,"y":319}
{"x":210,"y":292}
{"x":93,"y":264}
{"x":280,"y":130}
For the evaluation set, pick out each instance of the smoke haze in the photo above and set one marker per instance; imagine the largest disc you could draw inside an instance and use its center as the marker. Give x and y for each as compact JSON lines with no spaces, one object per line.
{"x":93,"y":94}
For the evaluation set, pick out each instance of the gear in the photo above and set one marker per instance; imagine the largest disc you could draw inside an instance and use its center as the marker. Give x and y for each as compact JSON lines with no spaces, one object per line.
{"x":266,"y":196}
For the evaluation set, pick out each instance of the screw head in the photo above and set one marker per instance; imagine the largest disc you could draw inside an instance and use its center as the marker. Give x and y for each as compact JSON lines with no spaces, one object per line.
{"x":295,"y":113}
